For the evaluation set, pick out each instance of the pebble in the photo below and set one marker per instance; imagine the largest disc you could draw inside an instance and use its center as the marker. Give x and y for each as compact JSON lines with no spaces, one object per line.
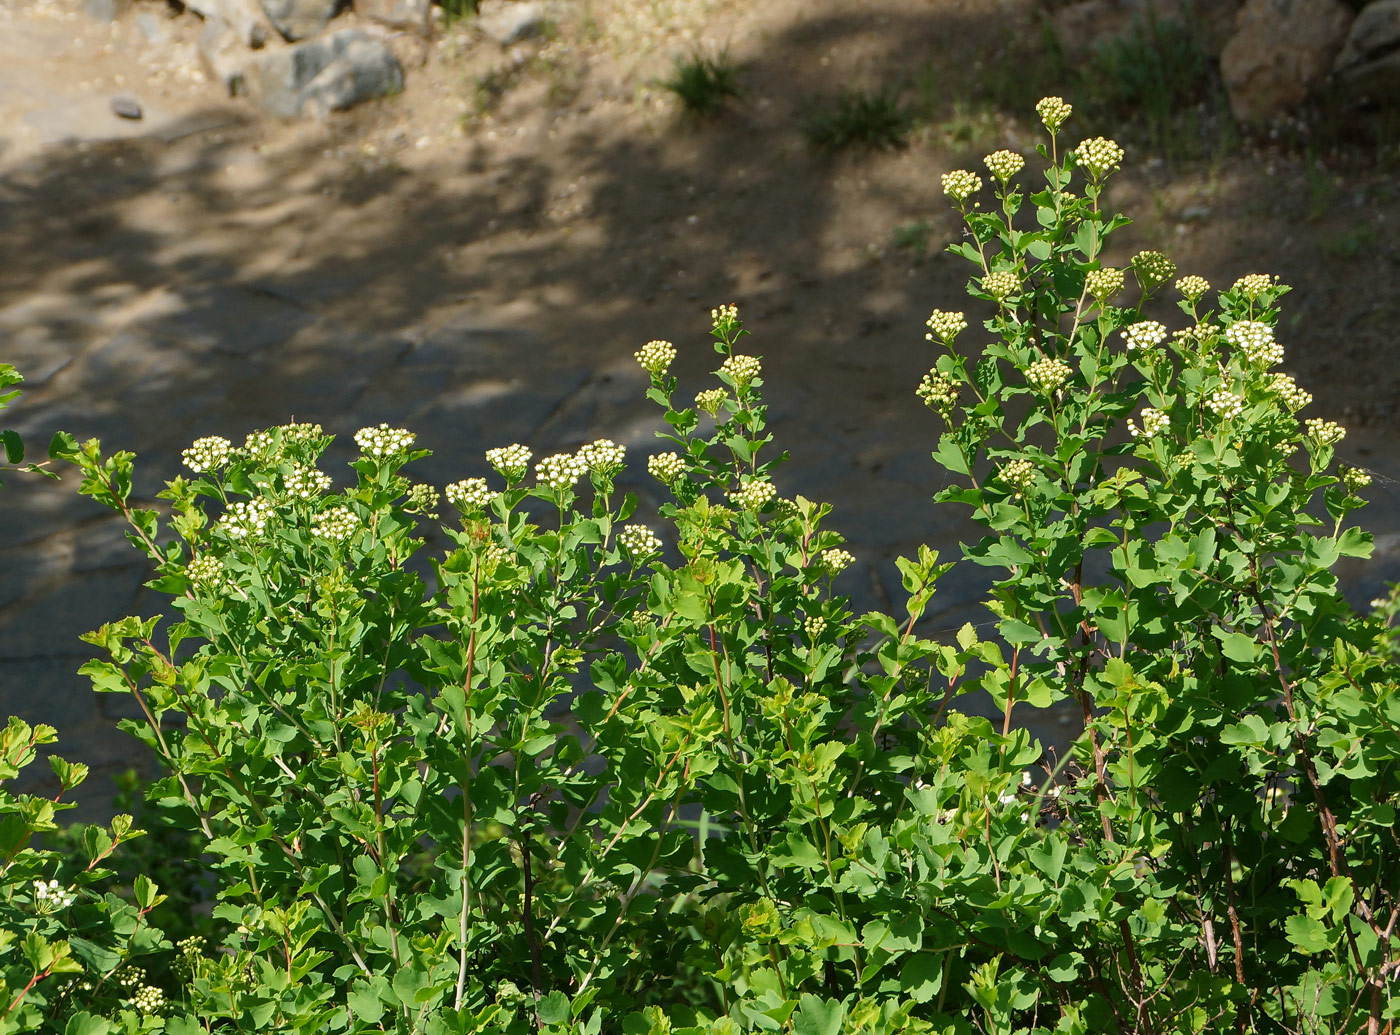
{"x":126,"y":108}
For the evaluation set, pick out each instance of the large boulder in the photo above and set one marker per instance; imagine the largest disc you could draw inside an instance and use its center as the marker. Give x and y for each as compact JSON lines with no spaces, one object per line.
{"x":1280,"y":51}
{"x":244,"y":17}
{"x":300,"y":19}
{"x":322,"y":75}
{"x":1369,"y":62}
{"x":408,"y":15}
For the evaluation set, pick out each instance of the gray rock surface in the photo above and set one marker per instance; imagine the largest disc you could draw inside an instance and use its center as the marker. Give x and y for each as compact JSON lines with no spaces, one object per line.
{"x":1281,"y":50}
{"x":325,"y":74}
{"x":511,"y":22}
{"x":408,"y":15}
{"x":300,"y":19}
{"x":245,"y":17}
{"x":223,"y":55}
{"x":1369,"y":62}
{"x":104,"y":10}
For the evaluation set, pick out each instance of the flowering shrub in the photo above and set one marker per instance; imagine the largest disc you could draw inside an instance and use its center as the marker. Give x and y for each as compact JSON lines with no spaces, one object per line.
{"x":585,"y":774}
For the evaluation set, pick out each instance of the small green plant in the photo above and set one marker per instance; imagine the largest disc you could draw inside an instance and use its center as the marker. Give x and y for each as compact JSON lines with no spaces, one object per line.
{"x":455,"y":10}
{"x":914,"y":237}
{"x":703,"y":84}
{"x":875,"y":119}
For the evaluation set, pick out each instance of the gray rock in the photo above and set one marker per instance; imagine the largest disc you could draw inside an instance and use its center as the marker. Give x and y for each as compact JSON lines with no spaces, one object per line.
{"x":508,"y":23}
{"x":300,"y":19}
{"x":409,"y":15}
{"x":1369,"y":62}
{"x":224,"y":57}
{"x":1280,"y":51}
{"x":126,"y":107}
{"x":104,"y":10}
{"x":153,"y":27}
{"x":329,"y":73}
{"x":244,"y":17}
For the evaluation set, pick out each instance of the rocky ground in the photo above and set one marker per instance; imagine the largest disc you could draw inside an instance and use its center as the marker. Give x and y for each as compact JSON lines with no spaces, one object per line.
{"x":477,"y":258}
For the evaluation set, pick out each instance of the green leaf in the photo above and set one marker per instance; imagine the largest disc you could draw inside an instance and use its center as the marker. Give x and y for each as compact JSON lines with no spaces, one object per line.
{"x":84,"y":1023}
{"x":921,"y":977}
{"x":818,"y":1016}
{"x":1307,"y":934}
{"x":554,"y":1008}
{"x":1251,"y":731}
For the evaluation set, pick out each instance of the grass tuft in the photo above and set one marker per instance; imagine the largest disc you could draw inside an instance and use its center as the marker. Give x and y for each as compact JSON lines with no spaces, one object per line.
{"x":704,"y":84}
{"x":875,"y":119}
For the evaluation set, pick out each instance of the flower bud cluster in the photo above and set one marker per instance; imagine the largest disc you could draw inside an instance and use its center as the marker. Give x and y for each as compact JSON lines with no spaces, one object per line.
{"x":638,"y":540}
{"x":1324,"y":432}
{"x":1154,"y":421}
{"x":723,"y":314}
{"x":52,"y":894}
{"x":1354,"y":478}
{"x":1225,"y":404}
{"x":1004,"y":164}
{"x":305,"y":482}
{"x":656,"y":357}
{"x":1144,"y":334}
{"x":470,"y":494}
{"x":1252,"y":285}
{"x":206,"y":570}
{"x":1053,"y":111}
{"x":560,"y":470}
{"x":1001,"y":284}
{"x":422,"y":499}
{"x":301,"y":433}
{"x":710,"y":400}
{"x":207,"y":453}
{"x":1098,"y":156}
{"x":335,"y":524}
{"x":603,"y":456}
{"x":383,"y":440}
{"x":1256,"y":341}
{"x":754,"y":495}
{"x":836,"y":560}
{"x":1048,"y":374}
{"x":1018,"y":474}
{"x":258,"y":442}
{"x":814,"y":626}
{"x":511,"y":462}
{"x":148,"y":1000}
{"x":960,"y":183}
{"x":245,"y":519}
{"x":939,"y":392}
{"x":1193,"y":287}
{"x":666,"y":467}
{"x":1103,"y":283}
{"x":740,"y":369}
{"x":1153,"y":268}
{"x":1287,"y":389}
{"x":945,"y":325}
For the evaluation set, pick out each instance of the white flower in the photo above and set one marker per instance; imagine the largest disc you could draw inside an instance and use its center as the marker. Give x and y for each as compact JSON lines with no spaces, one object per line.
{"x":148,"y":1000}
{"x":814,"y":626}
{"x":207,"y":453}
{"x":740,"y":369}
{"x":723,"y":314}
{"x":1104,"y":283}
{"x":1193,"y":287}
{"x":1048,"y":374}
{"x":1018,"y":474}
{"x":754,"y":495}
{"x":1325,"y":432}
{"x":258,"y":442}
{"x":1224,"y":403}
{"x":959,"y":183}
{"x":206,"y":570}
{"x":1053,"y":111}
{"x":1153,"y":268}
{"x":666,"y":467}
{"x":470,"y":494}
{"x":301,"y":432}
{"x":1252,"y":285}
{"x":1256,"y":341}
{"x":245,"y":519}
{"x":1153,"y":422}
{"x":1144,"y":335}
{"x":1001,"y":284}
{"x":1294,"y":397}
{"x":835,"y":561}
{"x":560,"y":470}
{"x":306,"y":482}
{"x":709,"y":401}
{"x":939,"y":392}
{"x":334,"y":523}
{"x":510,"y":461}
{"x":383,"y":440}
{"x":51,"y":894}
{"x":656,"y":357}
{"x":946,"y":325}
{"x":1098,"y":156}
{"x":603,"y":456}
{"x":1004,"y":164}
{"x":638,"y":540}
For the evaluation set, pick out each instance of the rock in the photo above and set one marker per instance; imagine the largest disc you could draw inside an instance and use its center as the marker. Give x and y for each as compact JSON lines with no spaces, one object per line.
{"x":300,"y":19}
{"x":224,"y":57}
{"x":1369,"y":62}
{"x":244,"y":17}
{"x":508,"y":23}
{"x":409,"y":15}
{"x":104,"y":10}
{"x":125,"y":107}
{"x":318,"y":76}
{"x":1281,"y":49}
{"x":1080,"y":28}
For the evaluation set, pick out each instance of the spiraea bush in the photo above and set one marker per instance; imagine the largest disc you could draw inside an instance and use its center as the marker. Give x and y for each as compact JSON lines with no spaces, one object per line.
{"x":585,"y":775}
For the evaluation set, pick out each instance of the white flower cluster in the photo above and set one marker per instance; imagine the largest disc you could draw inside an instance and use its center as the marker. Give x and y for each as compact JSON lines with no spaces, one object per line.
{"x":470,"y":494}
{"x":1252,"y":285}
{"x":939,"y":392}
{"x":384,"y":440}
{"x":257,"y":442}
{"x":148,"y":1000}
{"x":814,"y":626}
{"x":709,"y":400}
{"x":1287,"y":389}
{"x":638,"y":540}
{"x":1198,"y":334}
{"x":1098,"y":156}
{"x":301,"y":432}
{"x":960,"y":183}
{"x":1001,"y":284}
{"x":1153,"y":422}
{"x":1144,"y":334}
{"x":207,"y":453}
{"x":945,"y":325}
{"x":740,"y":369}
{"x":1256,"y":341}
{"x":1224,"y":403}
{"x":754,"y":495}
{"x":52,"y":894}
{"x":666,"y":467}
{"x":245,"y":519}
{"x":130,"y":977}
{"x":1048,"y":374}
{"x":1354,"y":478}
{"x":1004,"y":164}
{"x":1153,"y":268}
{"x":1325,"y":432}
{"x":560,"y":470}
{"x":836,"y":560}
{"x":1018,"y":474}
{"x":335,"y":524}
{"x":306,"y":482}
{"x":603,"y":456}
{"x":656,"y":357}
{"x":495,"y":555}
{"x":1053,"y":111}
{"x":1193,"y":287}
{"x":511,"y":462}
{"x":1104,"y":283}
{"x":206,"y":570}
{"x":723,"y":314}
